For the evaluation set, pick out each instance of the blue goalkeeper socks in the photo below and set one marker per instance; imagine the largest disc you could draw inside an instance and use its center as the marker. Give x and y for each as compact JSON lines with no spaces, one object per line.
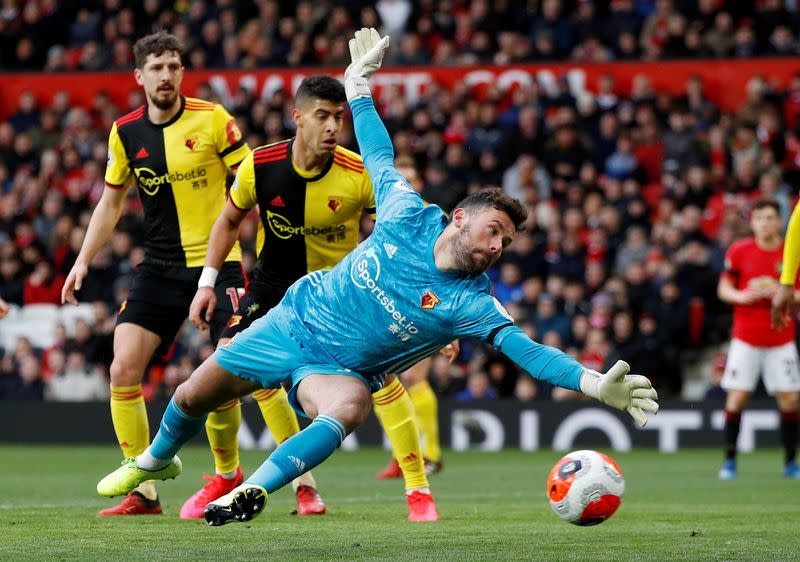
{"x":300,"y":453}
{"x":177,"y":427}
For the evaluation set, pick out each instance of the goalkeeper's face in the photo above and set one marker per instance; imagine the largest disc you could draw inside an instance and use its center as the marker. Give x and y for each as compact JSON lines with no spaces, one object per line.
{"x":482,"y":236}
{"x":319,"y":123}
{"x":161,"y":78}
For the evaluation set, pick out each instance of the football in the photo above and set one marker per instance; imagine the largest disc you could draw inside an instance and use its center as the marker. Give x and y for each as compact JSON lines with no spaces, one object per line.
{"x":585,"y":487}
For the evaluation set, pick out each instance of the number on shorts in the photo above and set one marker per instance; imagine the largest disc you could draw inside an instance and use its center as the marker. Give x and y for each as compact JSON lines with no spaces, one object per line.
{"x":234,"y":293}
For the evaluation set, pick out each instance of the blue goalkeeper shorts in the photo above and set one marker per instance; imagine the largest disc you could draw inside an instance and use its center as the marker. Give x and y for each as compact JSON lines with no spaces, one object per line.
{"x":268,"y":353}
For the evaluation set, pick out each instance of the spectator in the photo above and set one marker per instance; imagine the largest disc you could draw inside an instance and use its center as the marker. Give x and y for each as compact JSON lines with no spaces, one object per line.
{"x":549,"y":319}
{"x":478,"y":388}
{"x":550,"y":23}
{"x":24,"y":382}
{"x":526,"y":389}
{"x":43,"y":285}
{"x":508,"y":289}
{"x":77,"y":383}
{"x":679,"y":144}
{"x":621,"y":164}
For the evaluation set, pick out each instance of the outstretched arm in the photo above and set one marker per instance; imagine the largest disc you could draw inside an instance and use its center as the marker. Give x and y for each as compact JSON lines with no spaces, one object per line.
{"x":482,"y":316}
{"x":615,"y":388}
{"x":392,"y":191}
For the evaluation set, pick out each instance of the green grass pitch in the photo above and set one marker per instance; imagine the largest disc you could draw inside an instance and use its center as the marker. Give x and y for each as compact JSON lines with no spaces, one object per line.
{"x":493,"y":507}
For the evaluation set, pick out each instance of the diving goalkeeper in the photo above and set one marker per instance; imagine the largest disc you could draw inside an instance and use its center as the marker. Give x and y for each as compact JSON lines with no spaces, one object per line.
{"x":416,"y":284}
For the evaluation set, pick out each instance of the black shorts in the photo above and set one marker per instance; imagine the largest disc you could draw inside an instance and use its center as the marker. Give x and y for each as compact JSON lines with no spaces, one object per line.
{"x":160,"y":298}
{"x":251,"y":307}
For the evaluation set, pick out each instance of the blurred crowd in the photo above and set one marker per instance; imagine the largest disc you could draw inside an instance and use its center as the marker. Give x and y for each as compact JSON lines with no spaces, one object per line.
{"x":634,"y":198}
{"x":98,"y":35}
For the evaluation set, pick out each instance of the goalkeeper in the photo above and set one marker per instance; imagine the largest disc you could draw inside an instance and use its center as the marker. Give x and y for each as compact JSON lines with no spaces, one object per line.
{"x":412,"y":287}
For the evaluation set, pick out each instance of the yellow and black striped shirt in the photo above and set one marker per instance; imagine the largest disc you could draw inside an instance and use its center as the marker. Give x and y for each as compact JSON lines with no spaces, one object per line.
{"x":309,"y":220}
{"x":180,"y":169}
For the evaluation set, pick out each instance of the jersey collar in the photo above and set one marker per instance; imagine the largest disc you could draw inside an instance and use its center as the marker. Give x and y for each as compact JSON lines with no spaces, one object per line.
{"x":325,"y":169}
{"x":171,"y":121}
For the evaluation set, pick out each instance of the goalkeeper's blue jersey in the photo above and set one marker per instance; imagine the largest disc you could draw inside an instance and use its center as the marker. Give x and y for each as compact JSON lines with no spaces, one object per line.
{"x":386,"y":305}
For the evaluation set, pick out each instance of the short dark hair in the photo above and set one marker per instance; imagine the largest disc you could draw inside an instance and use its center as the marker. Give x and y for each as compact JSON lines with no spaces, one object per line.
{"x":320,"y":86}
{"x":766,"y":204}
{"x":495,"y":197}
{"x":156,"y":44}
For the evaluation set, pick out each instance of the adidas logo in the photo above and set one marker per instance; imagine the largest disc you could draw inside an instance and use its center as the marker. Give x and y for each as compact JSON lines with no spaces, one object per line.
{"x":410,"y":457}
{"x":142,"y":153}
{"x":301,"y":466}
{"x":390,"y":249}
{"x":277,"y":202}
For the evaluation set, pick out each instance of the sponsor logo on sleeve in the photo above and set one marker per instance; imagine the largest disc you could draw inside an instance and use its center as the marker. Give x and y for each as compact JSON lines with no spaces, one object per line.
{"x":400,"y":185}
{"x":501,"y":309}
{"x":232,"y":131}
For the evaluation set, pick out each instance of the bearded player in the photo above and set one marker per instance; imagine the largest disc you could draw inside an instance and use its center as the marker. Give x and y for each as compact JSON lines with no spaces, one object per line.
{"x":310,"y":194}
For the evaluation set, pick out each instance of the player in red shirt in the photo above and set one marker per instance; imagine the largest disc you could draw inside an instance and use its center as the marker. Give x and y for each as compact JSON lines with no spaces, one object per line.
{"x":750,"y":280}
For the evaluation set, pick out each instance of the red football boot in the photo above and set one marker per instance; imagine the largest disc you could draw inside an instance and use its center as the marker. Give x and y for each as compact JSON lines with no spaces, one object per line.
{"x":133,"y":504}
{"x":392,"y":470}
{"x":421,"y":507}
{"x":217,"y":487}
{"x":309,"y":502}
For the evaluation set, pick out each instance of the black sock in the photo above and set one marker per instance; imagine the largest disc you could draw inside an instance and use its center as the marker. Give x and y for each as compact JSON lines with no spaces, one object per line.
{"x":733,"y":420}
{"x":789,"y":422}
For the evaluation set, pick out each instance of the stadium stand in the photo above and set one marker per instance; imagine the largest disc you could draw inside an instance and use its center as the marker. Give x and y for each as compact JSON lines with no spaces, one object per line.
{"x":636,"y":194}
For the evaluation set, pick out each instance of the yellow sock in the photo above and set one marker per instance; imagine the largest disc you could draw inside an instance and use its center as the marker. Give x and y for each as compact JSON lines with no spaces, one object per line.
{"x":222,"y":428}
{"x":282,"y":423}
{"x":427,"y":408}
{"x":129,"y":416}
{"x":395,"y":411}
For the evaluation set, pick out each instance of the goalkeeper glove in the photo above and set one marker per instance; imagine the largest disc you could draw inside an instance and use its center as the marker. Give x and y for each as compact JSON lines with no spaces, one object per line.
{"x":366,"y":53}
{"x":616,"y":388}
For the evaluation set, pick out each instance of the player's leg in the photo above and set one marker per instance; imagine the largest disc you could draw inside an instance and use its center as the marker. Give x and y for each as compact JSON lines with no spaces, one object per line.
{"x":782,"y":379}
{"x":208,"y":387}
{"x":222,"y":425}
{"x":337,"y":403}
{"x":735,"y":403}
{"x":787,"y":405}
{"x":146,"y":324}
{"x":426,"y":406}
{"x":133,"y":348}
{"x":236,"y":312}
{"x":282,"y":423}
{"x":742,"y":369}
{"x":395,"y":411}
{"x":222,"y":429}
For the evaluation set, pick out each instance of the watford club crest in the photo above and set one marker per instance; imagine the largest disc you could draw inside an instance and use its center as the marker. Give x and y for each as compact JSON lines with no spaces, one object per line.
{"x":429,"y":301}
{"x":191,"y":143}
{"x":334,"y":203}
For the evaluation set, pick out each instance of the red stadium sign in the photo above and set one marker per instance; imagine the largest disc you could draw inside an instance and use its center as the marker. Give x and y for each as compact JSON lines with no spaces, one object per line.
{"x":725,"y":80}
